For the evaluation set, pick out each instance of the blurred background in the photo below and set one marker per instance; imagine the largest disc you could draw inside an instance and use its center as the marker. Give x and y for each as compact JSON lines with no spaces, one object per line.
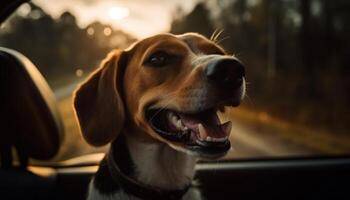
{"x":296,"y":53}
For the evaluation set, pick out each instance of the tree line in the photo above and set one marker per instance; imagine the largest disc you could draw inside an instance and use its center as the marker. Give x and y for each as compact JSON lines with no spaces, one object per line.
{"x":296,"y":54}
{"x":59,"y":47}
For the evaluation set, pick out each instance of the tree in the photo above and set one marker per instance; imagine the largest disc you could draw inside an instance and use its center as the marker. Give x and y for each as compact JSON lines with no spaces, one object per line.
{"x":196,"y":21}
{"x":58,"y":47}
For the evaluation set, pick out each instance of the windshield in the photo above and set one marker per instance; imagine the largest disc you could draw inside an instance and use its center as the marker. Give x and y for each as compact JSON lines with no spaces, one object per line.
{"x":296,"y":54}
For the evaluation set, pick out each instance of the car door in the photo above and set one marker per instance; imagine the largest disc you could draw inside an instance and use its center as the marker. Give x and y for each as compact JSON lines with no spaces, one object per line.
{"x":290,"y":137}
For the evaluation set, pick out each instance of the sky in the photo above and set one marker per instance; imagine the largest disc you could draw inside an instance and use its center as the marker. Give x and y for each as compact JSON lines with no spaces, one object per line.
{"x":141,"y":18}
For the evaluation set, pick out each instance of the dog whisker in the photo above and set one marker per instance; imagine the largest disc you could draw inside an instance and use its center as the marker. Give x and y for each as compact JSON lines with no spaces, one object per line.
{"x":249,"y":99}
{"x":214,"y":37}
{"x":174,"y":87}
{"x":222,"y":39}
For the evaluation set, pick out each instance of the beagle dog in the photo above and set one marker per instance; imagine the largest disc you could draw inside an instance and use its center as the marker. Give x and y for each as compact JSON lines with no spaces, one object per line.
{"x":157,"y":104}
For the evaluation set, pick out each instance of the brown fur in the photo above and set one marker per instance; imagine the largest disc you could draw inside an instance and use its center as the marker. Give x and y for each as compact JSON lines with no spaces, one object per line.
{"x":114,"y":98}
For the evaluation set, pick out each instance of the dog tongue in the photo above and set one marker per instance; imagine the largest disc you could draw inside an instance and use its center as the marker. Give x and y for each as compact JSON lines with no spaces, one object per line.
{"x":206,"y":124}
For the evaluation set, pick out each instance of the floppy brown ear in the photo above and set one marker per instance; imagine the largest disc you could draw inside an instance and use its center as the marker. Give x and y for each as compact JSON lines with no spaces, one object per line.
{"x":98,"y":104}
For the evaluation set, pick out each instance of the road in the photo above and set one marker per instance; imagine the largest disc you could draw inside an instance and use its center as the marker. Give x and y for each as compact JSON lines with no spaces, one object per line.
{"x":249,"y":139}
{"x":66,"y":91}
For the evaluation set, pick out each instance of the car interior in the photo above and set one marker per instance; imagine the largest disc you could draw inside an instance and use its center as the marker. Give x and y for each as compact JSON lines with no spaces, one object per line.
{"x":32,"y":129}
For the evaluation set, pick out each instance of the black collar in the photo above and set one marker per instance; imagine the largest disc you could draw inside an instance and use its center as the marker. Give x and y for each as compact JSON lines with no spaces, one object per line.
{"x":136,"y":188}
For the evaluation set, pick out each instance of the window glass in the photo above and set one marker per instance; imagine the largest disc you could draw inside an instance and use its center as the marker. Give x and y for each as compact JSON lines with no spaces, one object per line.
{"x":296,"y":55}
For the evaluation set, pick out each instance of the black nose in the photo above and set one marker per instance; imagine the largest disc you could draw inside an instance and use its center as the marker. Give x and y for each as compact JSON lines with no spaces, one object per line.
{"x":226,"y":72}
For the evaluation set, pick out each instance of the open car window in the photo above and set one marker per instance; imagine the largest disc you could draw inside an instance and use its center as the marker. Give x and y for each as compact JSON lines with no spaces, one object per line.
{"x":295,"y":52}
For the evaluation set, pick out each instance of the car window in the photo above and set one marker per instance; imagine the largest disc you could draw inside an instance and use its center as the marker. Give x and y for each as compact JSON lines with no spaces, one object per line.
{"x":296,"y":54}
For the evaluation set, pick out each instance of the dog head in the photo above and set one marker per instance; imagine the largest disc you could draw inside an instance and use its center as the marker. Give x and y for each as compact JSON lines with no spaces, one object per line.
{"x":166,"y":88}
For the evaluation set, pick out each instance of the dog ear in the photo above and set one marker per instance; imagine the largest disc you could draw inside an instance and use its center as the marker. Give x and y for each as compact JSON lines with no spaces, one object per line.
{"x":98,"y":104}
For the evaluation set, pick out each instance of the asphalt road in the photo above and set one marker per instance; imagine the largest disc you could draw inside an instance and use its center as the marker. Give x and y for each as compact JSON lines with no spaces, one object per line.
{"x":249,"y":140}
{"x":66,"y":91}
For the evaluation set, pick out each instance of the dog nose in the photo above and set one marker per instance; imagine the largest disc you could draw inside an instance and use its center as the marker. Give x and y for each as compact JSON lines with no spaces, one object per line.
{"x":227,"y":72}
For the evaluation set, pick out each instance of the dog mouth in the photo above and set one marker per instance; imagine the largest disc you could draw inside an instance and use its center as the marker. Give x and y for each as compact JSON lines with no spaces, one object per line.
{"x":201,"y":132}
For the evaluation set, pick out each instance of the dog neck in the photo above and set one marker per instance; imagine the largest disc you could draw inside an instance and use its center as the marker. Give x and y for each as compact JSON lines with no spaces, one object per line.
{"x":157,"y":164}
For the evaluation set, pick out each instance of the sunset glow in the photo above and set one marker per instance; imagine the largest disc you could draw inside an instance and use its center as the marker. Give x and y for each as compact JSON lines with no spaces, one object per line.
{"x":118,"y":13}
{"x":137,"y":17}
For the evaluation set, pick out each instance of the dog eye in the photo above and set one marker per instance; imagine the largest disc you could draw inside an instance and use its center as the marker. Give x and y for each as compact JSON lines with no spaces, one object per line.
{"x":159,"y":59}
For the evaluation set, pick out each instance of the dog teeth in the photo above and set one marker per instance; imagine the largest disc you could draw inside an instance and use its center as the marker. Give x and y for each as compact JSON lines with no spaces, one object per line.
{"x":202,"y":132}
{"x":219,"y":139}
{"x":179,"y":125}
{"x":213,"y":139}
{"x":209,"y":139}
{"x":203,"y":135}
{"x":173,"y":118}
{"x":176,"y":121}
